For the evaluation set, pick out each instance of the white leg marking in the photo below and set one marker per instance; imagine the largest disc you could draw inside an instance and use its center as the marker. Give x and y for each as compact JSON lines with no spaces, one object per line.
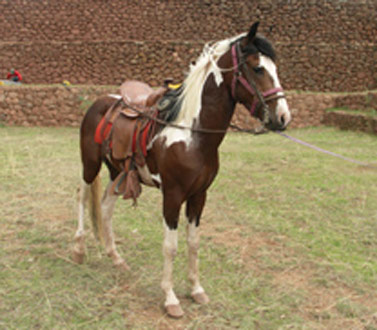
{"x":169,"y":250}
{"x":83,"y":197}
{"x":193,"y":247}
{"x":107,"y":208}
{"x":79,"y":247}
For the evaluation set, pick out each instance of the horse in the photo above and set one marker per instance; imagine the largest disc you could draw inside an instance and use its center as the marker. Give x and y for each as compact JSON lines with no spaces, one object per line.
{"x":182,"y":157}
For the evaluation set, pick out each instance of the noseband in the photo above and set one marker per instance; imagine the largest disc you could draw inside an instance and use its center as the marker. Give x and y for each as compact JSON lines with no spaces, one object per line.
{"x":260,"y":99}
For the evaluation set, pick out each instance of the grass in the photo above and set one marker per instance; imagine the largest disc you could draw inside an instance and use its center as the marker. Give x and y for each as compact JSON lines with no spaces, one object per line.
{"x":367,"y":112}
{"x":289,"y":239}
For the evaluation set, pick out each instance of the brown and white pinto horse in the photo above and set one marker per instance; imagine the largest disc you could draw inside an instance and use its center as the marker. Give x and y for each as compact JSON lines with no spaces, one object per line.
{"x":184,"y":162}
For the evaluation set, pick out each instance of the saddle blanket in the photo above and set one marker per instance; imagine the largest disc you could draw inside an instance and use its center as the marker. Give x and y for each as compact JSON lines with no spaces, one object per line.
{"x":102,"y":133}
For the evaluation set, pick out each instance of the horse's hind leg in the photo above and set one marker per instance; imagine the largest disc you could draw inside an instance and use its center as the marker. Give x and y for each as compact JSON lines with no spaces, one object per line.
{"x":194,"y":209}
{"x":79,"y":248}
{"x":91,"y":161}
{"x":107,"y":206}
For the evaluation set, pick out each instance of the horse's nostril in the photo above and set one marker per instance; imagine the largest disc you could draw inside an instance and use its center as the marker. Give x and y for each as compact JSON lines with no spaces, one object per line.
{"x":282,"y":120}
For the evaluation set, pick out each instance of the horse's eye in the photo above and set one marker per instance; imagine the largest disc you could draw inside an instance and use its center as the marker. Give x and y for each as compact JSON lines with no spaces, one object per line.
{"x":258,"y":69}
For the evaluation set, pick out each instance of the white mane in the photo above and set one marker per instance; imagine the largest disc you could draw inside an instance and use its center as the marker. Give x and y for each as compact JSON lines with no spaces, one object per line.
{"x":193,"y":87}
{"x":197,"y":76}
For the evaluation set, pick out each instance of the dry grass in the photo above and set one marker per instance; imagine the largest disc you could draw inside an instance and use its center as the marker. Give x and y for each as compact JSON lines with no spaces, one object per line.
{"x":289,"y":240}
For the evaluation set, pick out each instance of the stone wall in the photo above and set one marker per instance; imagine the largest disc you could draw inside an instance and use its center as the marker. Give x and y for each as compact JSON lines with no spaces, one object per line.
{"x":352,"y":121}
{"x":57,"y":105}
{"x":359,"y":101}
{"x":47,"y":105}
{"x":323,"y":45}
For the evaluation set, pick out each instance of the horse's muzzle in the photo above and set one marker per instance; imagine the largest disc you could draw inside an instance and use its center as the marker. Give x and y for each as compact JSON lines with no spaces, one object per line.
{"x":278,"y":124}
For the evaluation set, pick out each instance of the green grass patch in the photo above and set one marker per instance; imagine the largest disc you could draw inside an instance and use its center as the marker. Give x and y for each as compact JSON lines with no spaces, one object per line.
{"x":367,"y":112}
{"x":289,"y":239}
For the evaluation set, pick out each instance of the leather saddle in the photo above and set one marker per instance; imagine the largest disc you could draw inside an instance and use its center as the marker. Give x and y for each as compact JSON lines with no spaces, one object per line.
{"x":130,"y":124}
{"x":130,"y":133}
{"x":140,"y":94}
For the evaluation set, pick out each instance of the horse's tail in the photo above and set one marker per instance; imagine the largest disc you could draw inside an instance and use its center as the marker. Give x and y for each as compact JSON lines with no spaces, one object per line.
{"x":95,"y":207}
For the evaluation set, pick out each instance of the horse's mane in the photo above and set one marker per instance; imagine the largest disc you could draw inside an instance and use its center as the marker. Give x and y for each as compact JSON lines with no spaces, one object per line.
{"x":206,"y":64}
{"x":189,"y":104}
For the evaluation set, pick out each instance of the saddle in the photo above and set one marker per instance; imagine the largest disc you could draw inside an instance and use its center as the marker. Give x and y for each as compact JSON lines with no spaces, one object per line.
{"x":141,"y":94}
{"x":125,"y":133}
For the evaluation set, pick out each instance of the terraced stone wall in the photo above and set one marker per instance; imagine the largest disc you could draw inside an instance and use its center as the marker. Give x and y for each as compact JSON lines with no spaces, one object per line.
{"x":322,"y":45}
{"x":57,"y":105}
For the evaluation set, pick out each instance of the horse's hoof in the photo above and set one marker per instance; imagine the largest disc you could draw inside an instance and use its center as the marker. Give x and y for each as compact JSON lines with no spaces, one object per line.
{"x":78,"y":257}
{"x":174,"y":311}
{"x":200,"y":298}
{"x":123,"y":266}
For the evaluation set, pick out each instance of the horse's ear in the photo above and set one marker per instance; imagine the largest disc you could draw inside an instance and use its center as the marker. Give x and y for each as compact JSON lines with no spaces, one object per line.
{"x":253,"y":31}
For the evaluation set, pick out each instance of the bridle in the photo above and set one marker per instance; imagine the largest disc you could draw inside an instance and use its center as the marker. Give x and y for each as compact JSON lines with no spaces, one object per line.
{"x":239,"y":64}
{"x":260,"y":99}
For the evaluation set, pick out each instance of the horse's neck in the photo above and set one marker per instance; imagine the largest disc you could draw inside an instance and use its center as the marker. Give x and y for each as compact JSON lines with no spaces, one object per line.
{"x":216,"y":112}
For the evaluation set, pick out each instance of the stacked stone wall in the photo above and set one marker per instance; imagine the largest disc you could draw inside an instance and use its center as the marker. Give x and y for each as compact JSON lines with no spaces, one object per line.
{"x":363,"y":101}
{"x":322,"y":45}
{"x":352,"y":121}
{"x":47,"y":105}
{"x":65,"y":106}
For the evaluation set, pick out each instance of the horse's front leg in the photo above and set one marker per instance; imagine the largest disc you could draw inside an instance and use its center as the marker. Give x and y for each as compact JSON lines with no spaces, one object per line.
{"x":171,"y":207}
{"x":194,"y":210}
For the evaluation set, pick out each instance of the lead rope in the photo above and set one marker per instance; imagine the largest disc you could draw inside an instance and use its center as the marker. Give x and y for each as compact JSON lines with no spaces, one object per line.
{"x":260,"y":130}
{"x":291,"y":138}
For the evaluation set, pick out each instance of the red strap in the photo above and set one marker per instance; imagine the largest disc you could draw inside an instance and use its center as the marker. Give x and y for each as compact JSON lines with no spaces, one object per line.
{"x":98,"y":138}
{"x":245,"y":84}
{"x":272,"y":91}
{"x":253,"y":107}
{"x":238,"y":76}
{"x":144,"y":138}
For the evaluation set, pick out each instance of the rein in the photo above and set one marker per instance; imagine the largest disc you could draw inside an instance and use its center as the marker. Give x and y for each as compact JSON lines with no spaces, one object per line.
{"x":291,"y":138}
{"x":142,"y":112}
{"x":257,"y":131}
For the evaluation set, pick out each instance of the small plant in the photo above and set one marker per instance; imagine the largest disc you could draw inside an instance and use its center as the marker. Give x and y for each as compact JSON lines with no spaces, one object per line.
{"x":85,"y":103}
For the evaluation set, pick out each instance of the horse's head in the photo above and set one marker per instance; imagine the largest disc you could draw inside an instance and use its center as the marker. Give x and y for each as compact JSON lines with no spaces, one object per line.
{"x":255,"y":82}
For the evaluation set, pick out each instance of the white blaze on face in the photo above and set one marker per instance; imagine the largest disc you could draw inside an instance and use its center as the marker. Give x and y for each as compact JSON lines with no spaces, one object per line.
{"x":282,"y":109}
